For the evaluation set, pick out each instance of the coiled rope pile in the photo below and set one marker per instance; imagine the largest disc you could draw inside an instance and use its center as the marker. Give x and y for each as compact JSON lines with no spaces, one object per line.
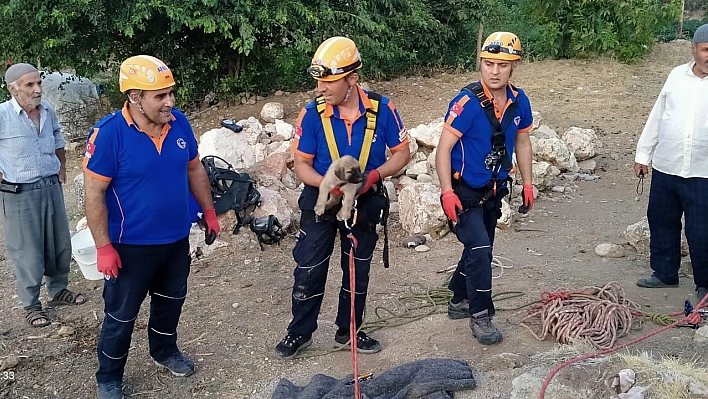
{"x":599,"y":315}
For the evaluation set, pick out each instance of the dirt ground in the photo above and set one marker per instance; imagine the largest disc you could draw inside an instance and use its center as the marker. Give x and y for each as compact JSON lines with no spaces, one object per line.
{"x":232,"y":345}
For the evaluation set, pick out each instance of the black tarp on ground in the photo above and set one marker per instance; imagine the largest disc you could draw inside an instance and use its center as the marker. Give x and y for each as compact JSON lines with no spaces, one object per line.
{"x":425,"y":379}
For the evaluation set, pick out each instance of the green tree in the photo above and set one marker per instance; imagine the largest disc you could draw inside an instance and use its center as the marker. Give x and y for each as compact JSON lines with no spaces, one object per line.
{"x":228,"y":46}
{"x":584,"y":28}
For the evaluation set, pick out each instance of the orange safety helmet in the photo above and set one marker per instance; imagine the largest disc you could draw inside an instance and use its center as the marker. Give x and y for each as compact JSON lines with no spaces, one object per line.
{"x":144,"y":72}
{"x":502,"y":46}
{"x":334,"y":59}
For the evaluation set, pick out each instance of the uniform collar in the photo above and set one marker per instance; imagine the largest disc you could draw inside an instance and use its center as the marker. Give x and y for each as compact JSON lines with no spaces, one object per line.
{"x":509,"y":90}
{"x":364,"y":103}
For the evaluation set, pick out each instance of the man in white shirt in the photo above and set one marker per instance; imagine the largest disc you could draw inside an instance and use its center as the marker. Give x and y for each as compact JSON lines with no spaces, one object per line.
{"x":675,"y":143}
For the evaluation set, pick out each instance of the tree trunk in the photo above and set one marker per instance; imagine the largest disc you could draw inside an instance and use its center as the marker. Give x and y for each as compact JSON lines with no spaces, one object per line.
{"x":479,"y":45}
{"x":679,"y":32}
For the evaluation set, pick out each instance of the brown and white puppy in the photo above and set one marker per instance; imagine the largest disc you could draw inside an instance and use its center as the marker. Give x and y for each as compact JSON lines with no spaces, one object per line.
{"x":345,"y":174}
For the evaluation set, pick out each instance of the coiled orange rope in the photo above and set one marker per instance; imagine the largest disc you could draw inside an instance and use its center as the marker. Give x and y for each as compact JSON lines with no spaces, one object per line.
{"x":599,"y":315}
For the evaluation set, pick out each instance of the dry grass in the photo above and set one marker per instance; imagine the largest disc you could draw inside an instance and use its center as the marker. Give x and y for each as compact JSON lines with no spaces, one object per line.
{"x":668,"y":377}
{"x":564,"y":352}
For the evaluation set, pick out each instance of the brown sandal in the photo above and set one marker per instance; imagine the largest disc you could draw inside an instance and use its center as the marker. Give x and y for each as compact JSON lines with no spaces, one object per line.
{"x":66,"y":297}
{"x":33,"y":315}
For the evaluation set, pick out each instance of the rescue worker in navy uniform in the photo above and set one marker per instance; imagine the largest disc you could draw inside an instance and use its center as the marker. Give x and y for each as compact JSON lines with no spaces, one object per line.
{"x":473,"y":161}
{"x":139,"y":167}
{"x":347,"y":108}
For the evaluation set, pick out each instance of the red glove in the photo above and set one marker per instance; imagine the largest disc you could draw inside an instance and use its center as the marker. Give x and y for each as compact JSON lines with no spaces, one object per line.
{"x":526,"y":199}
{"x":108,"y":260}
{"x":212,"y":226}
{"x":336,"y":191}
{"x":451,"y":204}
{"x":370,"y":178}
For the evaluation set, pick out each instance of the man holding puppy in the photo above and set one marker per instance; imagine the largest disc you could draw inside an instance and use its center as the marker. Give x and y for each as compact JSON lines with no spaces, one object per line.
{"x":343,"y":120}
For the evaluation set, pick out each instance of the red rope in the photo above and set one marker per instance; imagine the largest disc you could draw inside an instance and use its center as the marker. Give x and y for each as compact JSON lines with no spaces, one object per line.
{"x":693,"y":318}
{"x":550,"y":296}
{"x":352,"y":315}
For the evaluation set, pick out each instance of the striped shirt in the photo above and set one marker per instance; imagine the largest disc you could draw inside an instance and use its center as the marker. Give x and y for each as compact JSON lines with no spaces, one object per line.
{"x":26,"y":156}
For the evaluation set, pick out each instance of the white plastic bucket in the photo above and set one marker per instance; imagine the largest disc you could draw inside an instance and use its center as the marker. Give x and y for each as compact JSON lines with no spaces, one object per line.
{"x":84,"y":251}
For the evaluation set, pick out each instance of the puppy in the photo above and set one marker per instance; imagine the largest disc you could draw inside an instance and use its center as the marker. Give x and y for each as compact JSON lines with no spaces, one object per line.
{"x":345,"y":174}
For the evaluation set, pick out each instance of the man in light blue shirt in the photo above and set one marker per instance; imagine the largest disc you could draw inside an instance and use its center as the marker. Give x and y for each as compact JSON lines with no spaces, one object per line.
{"x":32,"y":167}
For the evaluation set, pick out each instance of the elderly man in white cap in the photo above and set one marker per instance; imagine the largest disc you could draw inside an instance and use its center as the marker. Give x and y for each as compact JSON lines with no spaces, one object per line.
{"x":675,"y":143}
{"x":32,"y":166}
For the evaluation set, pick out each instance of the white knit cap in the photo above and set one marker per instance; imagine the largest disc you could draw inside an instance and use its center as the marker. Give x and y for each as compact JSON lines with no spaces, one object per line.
{"x":16,"y":71}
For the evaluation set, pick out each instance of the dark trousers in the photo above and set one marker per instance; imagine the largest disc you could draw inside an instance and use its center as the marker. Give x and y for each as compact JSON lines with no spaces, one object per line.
{"x":312,"y":253}
{"x":670,"y":198}
{"x":160,"y":270}
{"x":475,"y":230}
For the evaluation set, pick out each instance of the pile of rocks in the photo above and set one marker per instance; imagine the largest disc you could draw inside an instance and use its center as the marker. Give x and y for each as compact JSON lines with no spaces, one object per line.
{"x":264,"y":150}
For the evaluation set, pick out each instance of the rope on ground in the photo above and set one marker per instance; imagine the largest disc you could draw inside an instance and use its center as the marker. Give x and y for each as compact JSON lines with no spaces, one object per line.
{"x":497,"y":263}
{"x":599,"y":315}
{"x":693,"y":318}
{"x":420,"y":302}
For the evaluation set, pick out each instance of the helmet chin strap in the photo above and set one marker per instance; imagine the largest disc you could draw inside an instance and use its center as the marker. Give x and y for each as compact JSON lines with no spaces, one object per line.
{"x":140,"y":108}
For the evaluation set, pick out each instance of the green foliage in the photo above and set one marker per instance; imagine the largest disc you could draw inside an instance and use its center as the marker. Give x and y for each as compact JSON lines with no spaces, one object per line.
{"x":587,"y":28}
{"x":230,"y":46}
{"x":668,"y":33}
{"x":537,"y":43}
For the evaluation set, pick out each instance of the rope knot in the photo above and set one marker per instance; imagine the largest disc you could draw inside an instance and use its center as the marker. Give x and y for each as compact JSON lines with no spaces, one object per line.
{"x":694,"y":318}
{"x":547,"y":297}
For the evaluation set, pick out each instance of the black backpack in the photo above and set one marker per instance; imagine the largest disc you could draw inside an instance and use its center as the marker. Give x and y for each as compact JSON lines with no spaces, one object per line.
{"x":231,"y":190}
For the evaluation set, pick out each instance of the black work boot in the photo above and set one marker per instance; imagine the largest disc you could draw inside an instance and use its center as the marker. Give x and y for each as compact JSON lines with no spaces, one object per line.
{"x":291,"y":345}
{"x":483,"y":329}
{"x":458,"y":310}
{"x":364,"y":343}
{"x":177,"y":364}
{"x":110,"y":390}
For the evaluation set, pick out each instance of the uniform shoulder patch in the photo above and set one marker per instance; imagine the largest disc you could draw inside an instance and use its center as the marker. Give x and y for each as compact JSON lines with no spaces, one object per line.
{"x":457,"y":109}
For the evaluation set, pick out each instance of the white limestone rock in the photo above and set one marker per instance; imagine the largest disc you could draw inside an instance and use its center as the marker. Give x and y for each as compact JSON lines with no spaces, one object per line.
{"x":608,"y":250}
{"x":427,"y":135}
{"x":272,"y":111}
{"x":583,"y":142}
{"x":420,"y":210}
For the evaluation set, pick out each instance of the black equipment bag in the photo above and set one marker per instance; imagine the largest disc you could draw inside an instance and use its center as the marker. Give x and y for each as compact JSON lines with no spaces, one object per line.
{"x":230,"y":189}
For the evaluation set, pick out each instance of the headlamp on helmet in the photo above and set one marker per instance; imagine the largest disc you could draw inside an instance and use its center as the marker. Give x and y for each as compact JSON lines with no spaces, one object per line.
{"x":335,"y":58}
{"x":502,"y":46}
{"x":318,"y":71}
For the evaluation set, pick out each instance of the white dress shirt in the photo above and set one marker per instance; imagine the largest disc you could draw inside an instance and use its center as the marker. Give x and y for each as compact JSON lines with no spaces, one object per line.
{"x":675,"y":137}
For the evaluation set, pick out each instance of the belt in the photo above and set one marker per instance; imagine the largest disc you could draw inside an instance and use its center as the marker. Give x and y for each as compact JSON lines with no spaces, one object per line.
{"x":43,"y":182}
